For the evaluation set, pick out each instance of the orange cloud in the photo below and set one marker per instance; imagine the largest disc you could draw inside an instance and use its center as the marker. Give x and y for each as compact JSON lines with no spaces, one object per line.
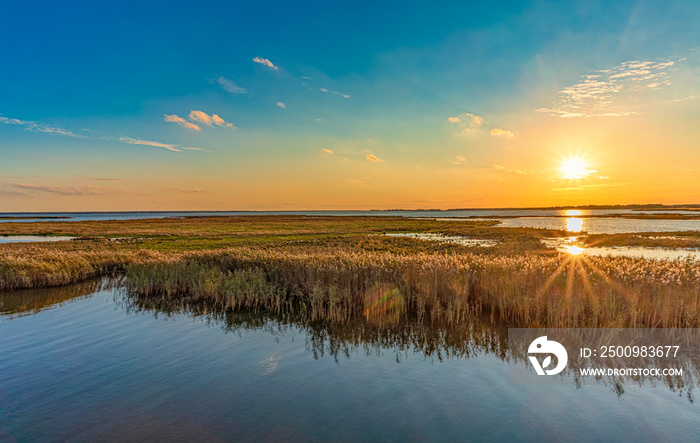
{"x":181,"y":121}
{"x":209,"y":120}
{"x":497,"y":132}
{"x":327,"y":151}
{"x":374,"y":158}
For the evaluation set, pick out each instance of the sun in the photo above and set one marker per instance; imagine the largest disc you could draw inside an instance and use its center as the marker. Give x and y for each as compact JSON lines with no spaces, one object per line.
{"x":575,"y":168}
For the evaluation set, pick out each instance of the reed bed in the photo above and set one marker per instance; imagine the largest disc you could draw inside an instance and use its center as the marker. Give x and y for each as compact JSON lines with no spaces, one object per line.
{"x":26,"y":266}
{"x":338,"y":286}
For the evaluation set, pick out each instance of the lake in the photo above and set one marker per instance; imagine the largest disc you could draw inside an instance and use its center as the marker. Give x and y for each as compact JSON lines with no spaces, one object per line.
{"x":87,"y":362}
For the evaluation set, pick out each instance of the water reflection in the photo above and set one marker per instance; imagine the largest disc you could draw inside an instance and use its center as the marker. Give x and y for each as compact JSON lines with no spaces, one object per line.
{"x":32,"y":301}
{"x":476,"y":337}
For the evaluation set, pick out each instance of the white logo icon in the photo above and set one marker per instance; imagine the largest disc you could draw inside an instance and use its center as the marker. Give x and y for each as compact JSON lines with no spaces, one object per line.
{"x":543,"y":346}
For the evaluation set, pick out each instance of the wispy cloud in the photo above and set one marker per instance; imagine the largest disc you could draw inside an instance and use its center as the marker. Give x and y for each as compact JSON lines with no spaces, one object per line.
{"x":266,"y":62}
{"x":209,"y":120}
{"x":192,"y":190}
{"x":374,"y":158}
{"x":194,"y":149}
{"x":135,"y":141}
{"x":39,"y":127}
{"x":230,"y":86}
{"x":600,"y":93}
{"x":67,"y":190}
{"x":342,"y":94}
{"x":498,"y":132}
{"x":327,"y":151}
{"x":85,"y":177}
{"x":282,"y":105}
{"x":516,"y":170}
{"x":181,"y":121}
{"x":459,"y":159}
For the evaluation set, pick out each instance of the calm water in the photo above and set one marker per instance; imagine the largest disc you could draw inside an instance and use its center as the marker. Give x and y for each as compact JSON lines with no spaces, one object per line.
{"x":603,"y":225}
{"x":82,"y":363}
{"x":535,"y":218}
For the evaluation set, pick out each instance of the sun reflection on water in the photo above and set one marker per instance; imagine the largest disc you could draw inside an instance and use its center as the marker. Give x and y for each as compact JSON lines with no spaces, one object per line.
{"x":573,"y":250}
{"x":574,"y":224}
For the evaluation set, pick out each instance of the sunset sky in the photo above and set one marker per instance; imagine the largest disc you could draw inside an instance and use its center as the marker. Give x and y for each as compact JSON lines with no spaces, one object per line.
{"x":344,"y":105}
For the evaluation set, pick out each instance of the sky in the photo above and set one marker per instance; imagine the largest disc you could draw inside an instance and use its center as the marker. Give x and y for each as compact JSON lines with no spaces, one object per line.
{"x":118,"y":106}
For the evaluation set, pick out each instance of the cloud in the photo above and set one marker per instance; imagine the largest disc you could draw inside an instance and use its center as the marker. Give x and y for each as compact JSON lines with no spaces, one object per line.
{"x":498,"y":132}
{"x":85,"y":177}
{"x":181,"y":121}
{"x":230,"y":86}
{"x":472,"y":120}
{"x":195,"y":149}
{"x":459,"y":159}
{"x":192,"y":191}
{"x":134,"y":141}
{"x":608,"y":92}
{"x":67,"y":190}
{"x":327,"y":151}
{"x":342,"y":94}
{"x":209,"y":120}
{"x":374,"y":158}
{"x":266,"y":62}
{"x":515,"y":170}
{"x":38,"y":127}
{"x":282,"y":105}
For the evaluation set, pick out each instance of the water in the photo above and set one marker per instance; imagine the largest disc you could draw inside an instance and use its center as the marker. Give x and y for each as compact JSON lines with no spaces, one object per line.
{"x":82,"y":363}
{"x":603,"y":225}
{"x":533,"y":218}
{"x":32,"y":238}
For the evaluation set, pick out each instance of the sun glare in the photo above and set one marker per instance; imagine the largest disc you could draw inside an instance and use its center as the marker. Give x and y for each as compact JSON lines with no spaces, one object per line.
{"x":575,"y":168}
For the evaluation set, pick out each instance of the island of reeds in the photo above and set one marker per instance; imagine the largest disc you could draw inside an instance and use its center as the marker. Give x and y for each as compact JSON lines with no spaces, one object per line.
{"x":337,"y":270}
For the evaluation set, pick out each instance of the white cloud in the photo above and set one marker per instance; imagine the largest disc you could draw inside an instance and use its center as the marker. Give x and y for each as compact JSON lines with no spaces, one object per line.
{"x":342,"y":94}
{"x":135,"y":141}
{"x":209,"y":120}
{"x":266,"y":62}
{"x":607,"y":92}
{"x":181,"y":121}
{"x":39,"y":127}
{"x":230,"y":86}
{"x":282,"y":105}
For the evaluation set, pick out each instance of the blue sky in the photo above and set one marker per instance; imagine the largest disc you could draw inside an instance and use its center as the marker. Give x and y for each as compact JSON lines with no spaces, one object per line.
{"x":344,"y":105}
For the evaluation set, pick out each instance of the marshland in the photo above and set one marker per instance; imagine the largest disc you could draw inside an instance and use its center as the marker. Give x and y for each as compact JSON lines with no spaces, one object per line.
{"x":340,"y":269}
{"x":205,"y":322}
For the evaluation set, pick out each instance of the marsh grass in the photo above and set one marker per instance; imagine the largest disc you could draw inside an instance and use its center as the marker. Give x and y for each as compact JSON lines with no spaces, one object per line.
{"x":384,"y":288}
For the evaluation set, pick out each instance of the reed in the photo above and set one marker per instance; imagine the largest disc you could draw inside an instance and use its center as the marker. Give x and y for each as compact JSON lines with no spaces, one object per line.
{"x":525,"y":290}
